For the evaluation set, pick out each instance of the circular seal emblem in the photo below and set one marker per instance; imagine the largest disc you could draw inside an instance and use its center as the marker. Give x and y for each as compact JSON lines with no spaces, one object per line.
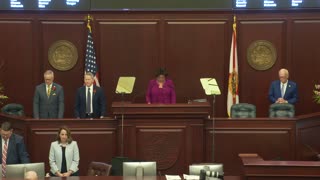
{"x":261,"y":55}
{"x":63,"y":55}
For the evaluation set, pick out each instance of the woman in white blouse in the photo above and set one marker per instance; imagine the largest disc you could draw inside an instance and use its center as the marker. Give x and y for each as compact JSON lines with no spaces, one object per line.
{"x":64,"y":155}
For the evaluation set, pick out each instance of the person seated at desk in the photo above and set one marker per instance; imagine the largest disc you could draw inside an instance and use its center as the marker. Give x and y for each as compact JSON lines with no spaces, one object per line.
{"x":64,"y":155}
{"x":12,"y":148}
{"x":161,"y":90}
{"x":283,"y":90}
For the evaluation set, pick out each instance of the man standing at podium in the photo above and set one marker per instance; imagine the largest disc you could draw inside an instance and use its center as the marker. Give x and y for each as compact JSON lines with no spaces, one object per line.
{"x":90,"y":99}
{"x":48,"y":100}
{"x":283,"y":90}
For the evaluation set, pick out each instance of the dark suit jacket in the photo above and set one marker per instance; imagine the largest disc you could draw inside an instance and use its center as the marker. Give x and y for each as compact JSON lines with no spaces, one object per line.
{"x":16,"y":153}
{"x":52,"y":107}
{"x":291,"y":94}
{"x":98,"y":102}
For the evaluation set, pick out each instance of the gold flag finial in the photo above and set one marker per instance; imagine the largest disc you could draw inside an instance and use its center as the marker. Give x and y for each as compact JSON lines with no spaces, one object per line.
{"x":89,"y":18}
{"x":234,"y":23}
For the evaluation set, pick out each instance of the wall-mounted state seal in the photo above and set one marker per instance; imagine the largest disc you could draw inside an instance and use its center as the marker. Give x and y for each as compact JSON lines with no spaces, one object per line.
{"x":63,"y":55}
{"x":261,"y":55}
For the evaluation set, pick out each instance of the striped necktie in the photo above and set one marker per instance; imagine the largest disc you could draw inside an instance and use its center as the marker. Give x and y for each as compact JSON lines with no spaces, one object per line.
{"x":4,"y":158}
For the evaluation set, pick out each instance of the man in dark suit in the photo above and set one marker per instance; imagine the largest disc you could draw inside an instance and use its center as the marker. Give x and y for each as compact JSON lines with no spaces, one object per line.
{"x":48,"y":100}
{"x":283,"y":90}
{"x":12,"y":147}
{"x":90,"y":100}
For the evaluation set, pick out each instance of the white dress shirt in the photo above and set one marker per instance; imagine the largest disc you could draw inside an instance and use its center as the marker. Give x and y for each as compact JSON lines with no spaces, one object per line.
{"x":91,"y":93}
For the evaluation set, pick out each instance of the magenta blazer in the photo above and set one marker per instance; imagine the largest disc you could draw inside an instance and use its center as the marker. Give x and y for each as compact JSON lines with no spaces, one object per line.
{"x":164,"y":95}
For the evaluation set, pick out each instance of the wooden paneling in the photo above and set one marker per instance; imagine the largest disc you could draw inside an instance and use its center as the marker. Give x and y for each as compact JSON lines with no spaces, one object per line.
{"x":88,"y":137}
{"x":305,"y":55}
{"x":164,"y":145}
{"x":255,"y":168}
{"x":100,"y":136}
{"x":128,"y":48}
{"x":176,"y":139}
{"x":307,"y":131}
{"x":252,"y":81}
{"x":197,"y":49}
{"x":73,"y":32}
{"x":171,"y":135}
{"x":190,"y":45}
{"x":17,"y":62}
{"x":272,"y":138}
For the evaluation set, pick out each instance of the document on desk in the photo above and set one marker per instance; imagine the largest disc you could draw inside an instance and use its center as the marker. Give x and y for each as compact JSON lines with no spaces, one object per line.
{"x":190,"y":177}
{"x":173,"y":177}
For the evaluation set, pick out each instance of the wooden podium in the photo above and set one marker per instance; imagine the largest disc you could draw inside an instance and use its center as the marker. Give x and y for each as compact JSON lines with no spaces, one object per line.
{"x":172,"y":135}
{"x":133,"y":111}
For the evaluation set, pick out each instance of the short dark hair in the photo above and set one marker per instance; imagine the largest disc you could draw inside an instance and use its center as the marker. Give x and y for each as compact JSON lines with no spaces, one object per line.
{"x":69,"y":140}
{"x":162,"y":71}
{"x":6,"y":126}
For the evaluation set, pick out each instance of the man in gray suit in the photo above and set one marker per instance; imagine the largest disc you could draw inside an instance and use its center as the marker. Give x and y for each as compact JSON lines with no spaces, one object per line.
{"x":48,"y":100}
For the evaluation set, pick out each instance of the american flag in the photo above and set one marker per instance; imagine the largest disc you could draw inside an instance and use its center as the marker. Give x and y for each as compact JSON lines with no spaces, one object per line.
{"x":90,"y":62}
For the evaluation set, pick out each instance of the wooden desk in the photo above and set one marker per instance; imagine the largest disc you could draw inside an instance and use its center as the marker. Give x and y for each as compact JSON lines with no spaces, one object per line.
{"x":255,"y":168}
{"x":96,"y":138}
{"x":172,"y":135}
{"x":175,"y":136}
{"x":126,"y":178}
{"x":272,"y":138}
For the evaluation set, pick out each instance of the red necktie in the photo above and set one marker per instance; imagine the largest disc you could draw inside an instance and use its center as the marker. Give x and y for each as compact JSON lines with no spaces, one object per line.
{"x":4,"y":158}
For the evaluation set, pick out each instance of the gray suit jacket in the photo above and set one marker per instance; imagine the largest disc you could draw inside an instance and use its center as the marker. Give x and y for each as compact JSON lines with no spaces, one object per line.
{"x":52,"y":107}
{"x":72,"y":156}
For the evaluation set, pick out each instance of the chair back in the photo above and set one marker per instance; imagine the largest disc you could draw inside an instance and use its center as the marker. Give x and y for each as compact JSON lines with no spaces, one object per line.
{"x":281,"y":110}
{"x":13,"y":109}
{"x":243,"y":110}
{"x":99,"y":169}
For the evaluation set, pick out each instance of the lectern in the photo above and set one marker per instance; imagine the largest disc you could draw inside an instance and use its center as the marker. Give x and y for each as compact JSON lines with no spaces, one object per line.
{"x":211,"y":88}
{"x":124,"y":86}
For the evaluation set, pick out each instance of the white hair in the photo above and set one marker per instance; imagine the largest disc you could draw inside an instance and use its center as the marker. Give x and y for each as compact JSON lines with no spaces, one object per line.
{"x":48,"y":72}
{"x":285,"y":71}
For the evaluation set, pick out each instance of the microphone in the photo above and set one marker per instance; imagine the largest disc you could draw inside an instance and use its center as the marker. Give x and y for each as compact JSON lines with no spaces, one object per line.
{"x":215,"y":174}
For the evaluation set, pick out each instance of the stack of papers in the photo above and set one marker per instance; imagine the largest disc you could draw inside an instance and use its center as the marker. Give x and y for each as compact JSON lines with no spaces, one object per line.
{"x":190,"y":177}
{"x":173,"y":177}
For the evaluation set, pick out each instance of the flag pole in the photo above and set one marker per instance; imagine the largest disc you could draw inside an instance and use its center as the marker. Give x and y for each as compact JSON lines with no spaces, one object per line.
{"x":233,"y":80}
